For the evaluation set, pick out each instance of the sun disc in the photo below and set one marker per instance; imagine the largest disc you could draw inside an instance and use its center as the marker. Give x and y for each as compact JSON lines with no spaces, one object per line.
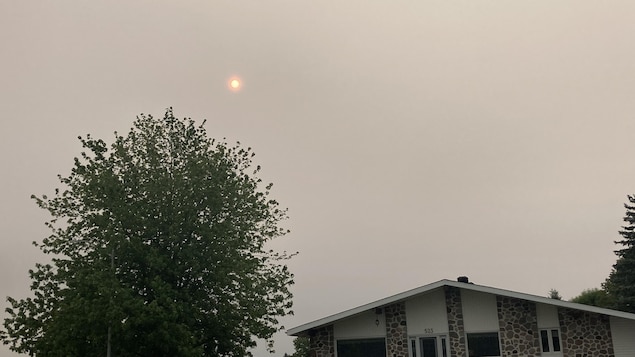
{"x":234,"y":84}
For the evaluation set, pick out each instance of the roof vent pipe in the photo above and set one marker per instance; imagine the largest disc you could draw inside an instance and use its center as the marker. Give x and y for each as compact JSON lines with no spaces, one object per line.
{"x":463,"y":279}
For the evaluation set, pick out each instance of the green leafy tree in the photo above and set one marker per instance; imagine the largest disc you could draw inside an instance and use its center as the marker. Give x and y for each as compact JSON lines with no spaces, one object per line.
{"x":594,"y":297}
{"x":158,"y":246}
{"x":621,"y":282}
{"x":302,"y":347}
{"x":554,"y":294}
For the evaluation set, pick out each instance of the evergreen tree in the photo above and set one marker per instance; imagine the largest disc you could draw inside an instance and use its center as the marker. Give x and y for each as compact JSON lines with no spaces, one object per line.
{"x":158,"y":249}
{"x":621,"y":282}
{"x":554,"y":294}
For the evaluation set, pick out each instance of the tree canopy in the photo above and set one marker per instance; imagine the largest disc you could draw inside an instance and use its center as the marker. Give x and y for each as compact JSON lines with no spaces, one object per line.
{"x":594,"y":297}
{"x":158,"y":246}
{"x":621,"y":282}
{"x":301,"y":346}
{"x":554,"y":294}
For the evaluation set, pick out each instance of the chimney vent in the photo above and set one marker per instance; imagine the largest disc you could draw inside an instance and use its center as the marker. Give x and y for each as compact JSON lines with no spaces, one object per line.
{"x":463,"y":279}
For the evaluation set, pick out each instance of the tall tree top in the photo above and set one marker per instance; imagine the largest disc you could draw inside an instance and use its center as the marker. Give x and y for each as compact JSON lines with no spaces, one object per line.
{"x":158,"y":240}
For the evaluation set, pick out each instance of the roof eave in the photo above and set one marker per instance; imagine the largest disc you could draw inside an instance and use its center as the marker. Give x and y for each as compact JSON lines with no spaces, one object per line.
{"x":357,"y":310}
{"x":299,"y":330}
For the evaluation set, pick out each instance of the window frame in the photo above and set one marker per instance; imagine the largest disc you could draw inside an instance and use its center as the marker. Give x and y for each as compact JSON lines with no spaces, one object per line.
{"x":498,"y":338}
{"x":550,"y":341}
{"x":337,"y":341}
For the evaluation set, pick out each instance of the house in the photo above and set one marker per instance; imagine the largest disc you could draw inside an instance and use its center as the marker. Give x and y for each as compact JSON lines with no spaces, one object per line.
{"x":461,"y":319}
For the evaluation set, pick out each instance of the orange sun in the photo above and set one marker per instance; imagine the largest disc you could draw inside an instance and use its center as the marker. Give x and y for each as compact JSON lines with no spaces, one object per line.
{"x":234,"y":84}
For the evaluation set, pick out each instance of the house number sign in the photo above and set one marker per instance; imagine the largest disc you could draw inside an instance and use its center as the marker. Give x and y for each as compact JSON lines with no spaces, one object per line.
{"x":428,"y":330}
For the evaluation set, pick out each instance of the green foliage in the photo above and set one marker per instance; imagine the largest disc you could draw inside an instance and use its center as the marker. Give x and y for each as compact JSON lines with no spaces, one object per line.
{"x":554,"y":294}
{"x":160,"y":239}
{"x":302,"y":347}
{"x":594,"y":297}
{"x":621,"y":282}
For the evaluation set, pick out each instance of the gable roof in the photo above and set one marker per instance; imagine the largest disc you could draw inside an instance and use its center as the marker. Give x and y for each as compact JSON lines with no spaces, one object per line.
{"x":467,"y":286}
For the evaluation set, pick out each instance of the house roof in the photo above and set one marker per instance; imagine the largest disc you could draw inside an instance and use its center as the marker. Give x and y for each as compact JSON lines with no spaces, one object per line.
{"x":467,"y":286}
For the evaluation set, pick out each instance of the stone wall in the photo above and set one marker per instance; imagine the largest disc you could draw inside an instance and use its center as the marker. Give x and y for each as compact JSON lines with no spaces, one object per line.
{"x":585,"y":334}
{"x":456,"y":330}
{"x":518,"y":326}
{"x":321,"y":342}
{"x":396,"y":330}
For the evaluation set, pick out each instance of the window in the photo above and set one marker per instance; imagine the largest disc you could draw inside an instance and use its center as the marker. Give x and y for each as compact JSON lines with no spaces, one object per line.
{"x":444,"y":346}
{"x":413,"y":347}
{"x":483,"y":344}
{"x":550,"y":340}
{"x":371,"y":347}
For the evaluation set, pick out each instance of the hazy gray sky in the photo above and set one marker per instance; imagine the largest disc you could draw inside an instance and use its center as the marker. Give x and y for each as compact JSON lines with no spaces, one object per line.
{"x":411,"y":140}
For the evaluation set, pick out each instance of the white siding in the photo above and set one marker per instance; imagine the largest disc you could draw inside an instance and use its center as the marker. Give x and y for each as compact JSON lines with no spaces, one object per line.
{"x":547,"y":316}
{"x":623,"y":332}
{"x":361,"y":326}
{"x":479,"y":311}
{"x":427,"y":314}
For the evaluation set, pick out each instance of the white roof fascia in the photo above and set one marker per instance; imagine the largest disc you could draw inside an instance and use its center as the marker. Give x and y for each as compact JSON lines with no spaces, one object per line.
{"x":543,"y":300}
{"x":470,"y":286}
{"x":348,"y":313}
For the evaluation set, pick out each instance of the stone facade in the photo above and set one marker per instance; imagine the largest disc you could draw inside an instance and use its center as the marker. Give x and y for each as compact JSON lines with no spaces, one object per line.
{"x":455,"y":322}
{"x":585,"y":334}
{"x":396,"y":330}
{"x":518,"y":326}
{"x":321,"y":342}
